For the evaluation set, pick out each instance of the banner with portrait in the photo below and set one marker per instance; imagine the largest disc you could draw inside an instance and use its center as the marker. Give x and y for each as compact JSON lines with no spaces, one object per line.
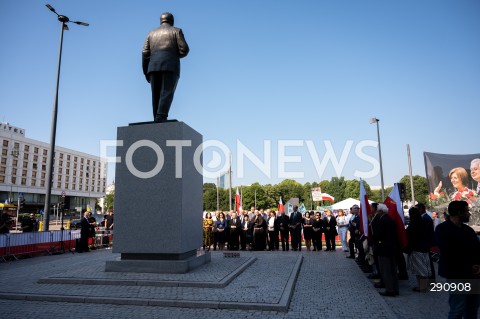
{"x":453,"y":177}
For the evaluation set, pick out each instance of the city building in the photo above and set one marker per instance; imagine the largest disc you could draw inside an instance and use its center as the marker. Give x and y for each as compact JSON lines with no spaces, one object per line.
{"x":78,"y":178}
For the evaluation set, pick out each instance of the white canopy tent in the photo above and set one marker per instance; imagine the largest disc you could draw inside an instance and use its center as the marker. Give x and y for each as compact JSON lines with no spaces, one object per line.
{"x":346,"y":204}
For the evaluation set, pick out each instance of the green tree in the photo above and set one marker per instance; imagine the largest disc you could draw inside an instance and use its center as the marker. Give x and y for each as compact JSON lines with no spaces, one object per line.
{"x":420,"y":186}
{"x":109,"y":200}
{"x":289,"y":188}
{"x":209,"y":197}
{"x":376,"y":196}
{"x":336,"y":188}
{"x":352,"y":189}
{"x":323,"y":185}
{"x":271,"y":197}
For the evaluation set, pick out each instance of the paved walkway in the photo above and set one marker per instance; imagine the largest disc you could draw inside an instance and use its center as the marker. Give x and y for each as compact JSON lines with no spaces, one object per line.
{"x":328,"y":286}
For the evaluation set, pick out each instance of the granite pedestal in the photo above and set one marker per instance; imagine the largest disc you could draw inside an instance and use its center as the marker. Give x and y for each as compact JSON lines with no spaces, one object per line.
{"x":158,"y":199}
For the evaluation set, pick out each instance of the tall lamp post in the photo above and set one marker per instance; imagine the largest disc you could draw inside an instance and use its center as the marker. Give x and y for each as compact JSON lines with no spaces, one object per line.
{"x":375,"y":120}
{"x":46,"y":210}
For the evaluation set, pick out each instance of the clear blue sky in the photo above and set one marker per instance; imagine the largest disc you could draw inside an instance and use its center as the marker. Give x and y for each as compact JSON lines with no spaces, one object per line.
{"x":257,"y":70}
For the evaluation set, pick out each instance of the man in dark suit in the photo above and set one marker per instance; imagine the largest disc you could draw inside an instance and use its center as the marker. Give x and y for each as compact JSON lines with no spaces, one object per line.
{"x":459,"y":260}
{"x":385,"y":241}
{"x":234,"y":226}
{"x":296,"y":229}
{"x":161,"y":55}
{"x":283,"y":222}
{"x":357,"y":238}
{"x":329,"y":224}
{"x":85,"y":232}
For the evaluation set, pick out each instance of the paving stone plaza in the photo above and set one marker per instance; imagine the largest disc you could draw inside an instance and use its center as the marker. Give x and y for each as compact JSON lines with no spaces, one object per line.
{"x":253,"y":285}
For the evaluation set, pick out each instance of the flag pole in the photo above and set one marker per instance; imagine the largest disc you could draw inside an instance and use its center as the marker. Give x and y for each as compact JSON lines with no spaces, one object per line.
{"x":230,"y":182}
{"x":218,"y":200}
{"x":410,"y":170}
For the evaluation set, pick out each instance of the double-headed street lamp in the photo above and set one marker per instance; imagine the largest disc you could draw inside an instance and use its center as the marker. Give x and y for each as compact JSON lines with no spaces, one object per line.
{"x":46,"y":210}
{"x":375,"y":120}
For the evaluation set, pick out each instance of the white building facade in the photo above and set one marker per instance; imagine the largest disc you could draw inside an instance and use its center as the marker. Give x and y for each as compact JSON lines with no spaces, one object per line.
{"x":80,"y":177}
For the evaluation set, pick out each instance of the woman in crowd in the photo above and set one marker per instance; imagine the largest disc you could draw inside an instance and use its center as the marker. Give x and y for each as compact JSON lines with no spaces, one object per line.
{"x":342,"y":224}
{"x":221,"y":226}
{"x":207,"y":231}
{"x":272,"y":227}
{"x":308,"y":230}
{"x":247,"y":233}
{"x":418,"y":248}
{"x":330,"y":224}
{"x":317,"y":230}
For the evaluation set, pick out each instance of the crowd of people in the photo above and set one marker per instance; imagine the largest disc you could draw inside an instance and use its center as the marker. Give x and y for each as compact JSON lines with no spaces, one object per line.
{"x":381,"y":253}
{"x":270,"y":230}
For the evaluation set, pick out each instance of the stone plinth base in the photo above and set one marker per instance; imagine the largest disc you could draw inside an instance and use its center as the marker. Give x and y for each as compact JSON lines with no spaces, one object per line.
{"x":169,"y":266}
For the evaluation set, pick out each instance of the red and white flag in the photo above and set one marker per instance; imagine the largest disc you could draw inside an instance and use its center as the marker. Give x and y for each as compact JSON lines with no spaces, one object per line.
{"x":280,"y":205}
{"x":328,"y":197}
{"x":238,"y":202}
{"x":365,"y":209}
{"x":395,"y":211}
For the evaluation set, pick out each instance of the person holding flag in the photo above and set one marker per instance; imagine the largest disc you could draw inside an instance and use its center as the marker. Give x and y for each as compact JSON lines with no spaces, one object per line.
{"x":385,"y":241}
{"x":395,"y":211}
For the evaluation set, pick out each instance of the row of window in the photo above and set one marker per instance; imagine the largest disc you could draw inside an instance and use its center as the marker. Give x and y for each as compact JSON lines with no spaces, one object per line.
{"x":79,"y":187}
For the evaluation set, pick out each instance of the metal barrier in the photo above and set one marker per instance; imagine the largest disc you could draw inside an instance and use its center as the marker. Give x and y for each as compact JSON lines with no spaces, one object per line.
{"x":13,"y":246}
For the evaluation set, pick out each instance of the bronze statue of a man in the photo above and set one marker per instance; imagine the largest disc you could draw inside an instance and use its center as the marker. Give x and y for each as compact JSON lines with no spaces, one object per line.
{"x":161,"y":54}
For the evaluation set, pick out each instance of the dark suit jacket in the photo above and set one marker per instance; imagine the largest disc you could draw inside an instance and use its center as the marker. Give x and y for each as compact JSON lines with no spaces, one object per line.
{"x":85,"y":227}
{"x":384,"y":233}
{"x":296,"y":220}
{"x":163,"y":49}
{"x":237,"y":225}
{"x":283,"y":221}
{"x":352,"y":228}
{"x":318,"y":224}
{"x":332,"y":223}
{"x":429,"y":230}
{"x":275,"y":223}
{"x":459,"y":250}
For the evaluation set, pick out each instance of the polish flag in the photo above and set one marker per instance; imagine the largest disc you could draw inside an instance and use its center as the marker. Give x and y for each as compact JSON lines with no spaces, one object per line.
{"x":328,"y":197}
{"x":238,"y":202}
{"x":280,"y":205}
{"x":365,"y":209}
{"x":395,"y":211}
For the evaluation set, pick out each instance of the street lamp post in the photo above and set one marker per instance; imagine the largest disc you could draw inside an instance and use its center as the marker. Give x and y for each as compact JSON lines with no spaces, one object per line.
{"x":46,"y":210}
{"x":375,"y":120}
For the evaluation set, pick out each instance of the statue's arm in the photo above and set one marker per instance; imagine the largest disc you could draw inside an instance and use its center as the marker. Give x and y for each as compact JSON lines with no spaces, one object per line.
{"x":183,"y":48}
{"x":146,"y":56}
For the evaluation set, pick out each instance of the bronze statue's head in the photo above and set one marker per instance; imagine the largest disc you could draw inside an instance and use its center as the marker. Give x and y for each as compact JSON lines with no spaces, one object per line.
{"x":166,"y":17}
